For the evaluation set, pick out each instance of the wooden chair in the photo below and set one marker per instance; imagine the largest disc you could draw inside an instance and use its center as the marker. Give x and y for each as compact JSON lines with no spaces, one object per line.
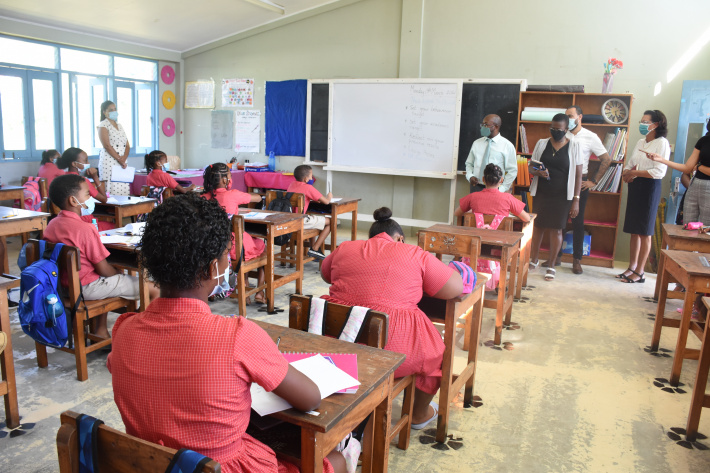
{"x":373,"y":334}
{"x":447,"y":312}
{"x":166,"y":193}
{"x":117,"y":452}
{"x":69,"y":265}
{"x":242,"y":293}
{"x":287,"y":255}
{"x":43,"y":193}
{"x":469,"y":220}
{"x":174,"y":162}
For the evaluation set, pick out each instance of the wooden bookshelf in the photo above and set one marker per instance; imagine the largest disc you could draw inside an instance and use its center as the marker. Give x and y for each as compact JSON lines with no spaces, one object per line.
{"x":601,"y":217}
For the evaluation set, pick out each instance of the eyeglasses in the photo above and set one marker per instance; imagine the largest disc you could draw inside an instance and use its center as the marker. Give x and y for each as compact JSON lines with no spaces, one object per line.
{"x":487,"y":125}
{"x":641,"y":122}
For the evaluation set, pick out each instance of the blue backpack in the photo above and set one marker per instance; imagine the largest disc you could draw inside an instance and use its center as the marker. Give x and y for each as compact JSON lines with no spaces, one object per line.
{"x":47,"y":325}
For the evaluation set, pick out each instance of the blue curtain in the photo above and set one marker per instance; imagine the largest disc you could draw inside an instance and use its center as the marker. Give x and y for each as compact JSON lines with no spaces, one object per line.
{"x":285,"y":121}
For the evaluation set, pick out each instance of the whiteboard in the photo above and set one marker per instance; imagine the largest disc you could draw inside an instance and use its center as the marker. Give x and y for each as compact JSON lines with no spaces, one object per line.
{"x":404,"y":128}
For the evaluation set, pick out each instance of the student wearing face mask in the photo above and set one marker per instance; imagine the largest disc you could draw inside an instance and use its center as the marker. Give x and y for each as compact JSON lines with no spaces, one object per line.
{"x":115,"y":147}
{"x":99,"y":280}
{"x":491,"y":148}
{"x":643,"y":176}
{"x":48,"y":168}
{"x":556,"y":165}
{"x":156,"y":163}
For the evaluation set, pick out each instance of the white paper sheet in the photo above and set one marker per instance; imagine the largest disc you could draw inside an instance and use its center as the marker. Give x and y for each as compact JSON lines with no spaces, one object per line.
{"x":199,"y":94}
{"x":265,"y":403}
{"x":256,"y":215}
{"x":118,"y":174}
{"x":126,"y":240}
{"x":336,"y":199}
{"x":136,"y":228}
{"x":247,"y":131}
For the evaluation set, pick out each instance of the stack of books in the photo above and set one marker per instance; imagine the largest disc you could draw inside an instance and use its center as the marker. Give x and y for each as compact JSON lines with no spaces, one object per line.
{"x":610,"y":181}
{"x":524,"y":147}
{"x":615,"y":142}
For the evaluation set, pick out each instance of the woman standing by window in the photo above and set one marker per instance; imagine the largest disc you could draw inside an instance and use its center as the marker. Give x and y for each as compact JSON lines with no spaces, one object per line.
{"x":644,"y":176}
{"x":115,"y":148}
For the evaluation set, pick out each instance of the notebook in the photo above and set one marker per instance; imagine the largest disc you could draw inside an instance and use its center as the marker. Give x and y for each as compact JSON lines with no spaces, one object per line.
{"x":345,"y":361}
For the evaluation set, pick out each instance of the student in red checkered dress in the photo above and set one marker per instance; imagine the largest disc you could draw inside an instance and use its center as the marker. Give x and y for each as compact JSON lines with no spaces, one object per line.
{"x":388,"y":275}
{"x":491,"y":201}
{"x":181,"y":374}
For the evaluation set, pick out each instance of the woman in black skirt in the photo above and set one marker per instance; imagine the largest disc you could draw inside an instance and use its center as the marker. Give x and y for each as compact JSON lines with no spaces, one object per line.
{"x":556,"y":188}
{"x":644,"y":179}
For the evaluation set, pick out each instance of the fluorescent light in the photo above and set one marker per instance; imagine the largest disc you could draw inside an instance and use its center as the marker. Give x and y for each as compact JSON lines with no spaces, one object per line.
{"x":274,"y":7}
{"x":688,"y":55}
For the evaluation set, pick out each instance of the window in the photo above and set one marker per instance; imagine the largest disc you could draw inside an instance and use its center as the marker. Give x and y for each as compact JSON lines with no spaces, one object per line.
{"x":50,"y":97}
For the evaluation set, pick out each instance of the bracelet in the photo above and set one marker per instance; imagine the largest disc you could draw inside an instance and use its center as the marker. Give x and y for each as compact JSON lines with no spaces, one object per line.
{"x":576,"y":197}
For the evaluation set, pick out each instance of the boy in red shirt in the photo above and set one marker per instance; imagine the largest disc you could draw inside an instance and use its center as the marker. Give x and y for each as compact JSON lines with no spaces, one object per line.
{"x":303,"y":185}
{"x":99,"y":280}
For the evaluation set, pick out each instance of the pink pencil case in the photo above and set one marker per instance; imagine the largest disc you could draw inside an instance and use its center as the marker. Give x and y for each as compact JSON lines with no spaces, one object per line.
{"x":693,"y":226}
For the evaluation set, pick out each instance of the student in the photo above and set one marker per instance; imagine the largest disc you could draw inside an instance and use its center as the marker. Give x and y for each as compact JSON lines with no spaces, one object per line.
{"x":156,"y":163}
{"x":76,"y":162}
{"x":494,"y":148}
{"x":99,"y":280}
{"x":181,"y":374}
{"x":491,"y":201}
{"x":218,"y":186}
{"x":303,"y":185}
{"x":47,"y":167}
{"x":385,"y":274}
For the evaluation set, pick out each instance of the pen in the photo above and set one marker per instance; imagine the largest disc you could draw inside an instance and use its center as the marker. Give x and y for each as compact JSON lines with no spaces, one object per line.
{"x":278,"y":340}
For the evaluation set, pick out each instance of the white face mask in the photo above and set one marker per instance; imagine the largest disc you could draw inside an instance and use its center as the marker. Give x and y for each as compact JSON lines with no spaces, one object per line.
{"x":82,"y":171}
{"x":221,"y":289}
{"x":572,"y":124}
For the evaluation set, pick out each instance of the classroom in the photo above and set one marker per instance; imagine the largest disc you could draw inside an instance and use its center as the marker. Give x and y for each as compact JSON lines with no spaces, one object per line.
{"x":585,"y":366}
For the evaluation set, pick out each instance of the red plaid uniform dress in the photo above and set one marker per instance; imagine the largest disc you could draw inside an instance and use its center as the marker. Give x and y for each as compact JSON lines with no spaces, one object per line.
{"x":160,"y":178}
{"x":491,"y":202}
{"x":230,"y":200}
{"x":390,"y":277}
{"x":181,"y":378}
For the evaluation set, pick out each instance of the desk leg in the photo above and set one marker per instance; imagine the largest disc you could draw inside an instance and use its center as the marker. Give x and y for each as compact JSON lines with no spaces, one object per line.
{"x":368,"y":436}
{"x":7,"y":365}
{"x":679,"y":354}
{"x":269,"y":269}
{"x":353,"y":227}
{"x":473,"y":342}
{"x":311,"y":451}
{"x":519,"y":279}
{"x":500,"y":305}
{"x":383,"y":421}
{"x":333,"y":230}
{"x":447,"y":370}
{"x":660,"y":311}
{"x":299,"y":262}
{"x":511,"y":287}
{"x":699,"y":398}
{"x":661,"y":265}
{"x":4,"y":260}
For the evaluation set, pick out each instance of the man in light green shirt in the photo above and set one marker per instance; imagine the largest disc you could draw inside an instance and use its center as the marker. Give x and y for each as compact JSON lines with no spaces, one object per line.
{"x":492,"y":147}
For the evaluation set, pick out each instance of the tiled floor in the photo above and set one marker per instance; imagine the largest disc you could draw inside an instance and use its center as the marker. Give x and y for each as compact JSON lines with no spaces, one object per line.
{"x":575,"y":393}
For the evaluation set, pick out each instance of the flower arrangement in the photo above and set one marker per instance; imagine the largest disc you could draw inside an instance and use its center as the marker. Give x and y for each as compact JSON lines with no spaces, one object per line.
{"x":612,"y":65}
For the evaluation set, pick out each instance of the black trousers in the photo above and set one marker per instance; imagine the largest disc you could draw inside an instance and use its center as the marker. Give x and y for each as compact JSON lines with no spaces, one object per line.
{"x":578,"y":227}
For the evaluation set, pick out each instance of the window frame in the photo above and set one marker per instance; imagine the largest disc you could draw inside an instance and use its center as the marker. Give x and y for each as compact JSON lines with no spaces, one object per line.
{"x":27,"y":73}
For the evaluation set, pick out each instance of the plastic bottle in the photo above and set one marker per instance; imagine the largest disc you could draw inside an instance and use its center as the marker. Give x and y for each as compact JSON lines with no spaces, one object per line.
{"x":272,"y":162}
{"x":95,"y":224}
{"x":55,"y":308}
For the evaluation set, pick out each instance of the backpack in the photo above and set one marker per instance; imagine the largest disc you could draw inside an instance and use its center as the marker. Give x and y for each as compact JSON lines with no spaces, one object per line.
{"x":38,"y":280}
{"x":468,"y":275}
{"x":153,"y":193}
{"x":33,"y":199}
{"x":282,"y":203}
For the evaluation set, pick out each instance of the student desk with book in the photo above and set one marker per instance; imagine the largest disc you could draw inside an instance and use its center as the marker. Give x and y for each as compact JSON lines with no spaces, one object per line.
{"x":526,"y":228}
{"x":120,"y":207}
{"x":340,"y":414}
{"x":509,"y":245}
{"x":689,"y":270}
{"x":124,"y":256}
{"x":268,"y":224}
{"x":14,"y":221}
{"x":8,"y":388}
{"x":337,"y":206}
{"x":191,"y":176}
{"x":699,"y":398}
{"x":675,"y":238}
{"x":16,"y":193}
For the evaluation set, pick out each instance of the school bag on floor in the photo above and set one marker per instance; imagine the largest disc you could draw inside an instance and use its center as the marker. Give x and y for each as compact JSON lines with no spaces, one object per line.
{"x":45,"y":323}
{"x":282,"y":203}
{"x":33,"y":199}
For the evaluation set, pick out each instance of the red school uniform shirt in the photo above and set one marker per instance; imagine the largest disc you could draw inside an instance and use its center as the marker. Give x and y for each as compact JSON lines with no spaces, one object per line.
{"x":49,"y":171}
{"x":70,"y":229}
{"x":181,"y":377}
{"x":230,"y":200}
{"x":93,"y":191}
{"x":160,"y":178}
{"x":391,"y":277}
{"x":491,"y":201}
{"x":309,"y":192}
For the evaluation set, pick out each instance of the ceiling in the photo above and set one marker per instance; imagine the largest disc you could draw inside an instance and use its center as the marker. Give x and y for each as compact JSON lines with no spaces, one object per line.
{"x":176,"y":25}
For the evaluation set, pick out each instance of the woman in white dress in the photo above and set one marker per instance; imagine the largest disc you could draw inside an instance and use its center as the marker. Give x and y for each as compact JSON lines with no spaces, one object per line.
{"x":115,"y":148}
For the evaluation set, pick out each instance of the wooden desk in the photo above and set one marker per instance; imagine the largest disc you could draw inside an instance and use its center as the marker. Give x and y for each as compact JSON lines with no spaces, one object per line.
{"x":509,"y":244}
{"x":448,"y":313}
{"x":129,"y":208}
{"x":8,"y":388}
{"x":699,"y":398}
{"x":13,"y":193}
{"x":126,"y":257}
{"x":686,"y":268}
{"x":341,"y":413}
{"x":14,"y":221}
{"x":675,"y":238}
{"x":343,"y":206}
{"x":525,"y":248}
{"x":276,"y":224}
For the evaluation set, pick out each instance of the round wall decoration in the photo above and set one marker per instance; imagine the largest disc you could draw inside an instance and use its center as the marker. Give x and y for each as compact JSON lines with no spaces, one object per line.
{"x":167,"y":73}
{"x":168,"y":99}
{"x":168,"y":127}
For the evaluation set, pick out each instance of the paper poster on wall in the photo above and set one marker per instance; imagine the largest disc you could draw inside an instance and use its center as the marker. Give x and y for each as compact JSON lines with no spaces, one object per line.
{"x":221,"y":129}
{"x":247,"y":131}
{"x":237,"y":92}
{"x":199,"y":94}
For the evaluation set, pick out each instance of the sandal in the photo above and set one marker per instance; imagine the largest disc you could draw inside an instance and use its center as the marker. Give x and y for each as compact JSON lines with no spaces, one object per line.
{"x":260,"y":300}
{"x":421,"y":425}
{"x":550,"y":274}
{"x":534,"y":265}
{"x":624,"y":275}
{"x":628,"y":280}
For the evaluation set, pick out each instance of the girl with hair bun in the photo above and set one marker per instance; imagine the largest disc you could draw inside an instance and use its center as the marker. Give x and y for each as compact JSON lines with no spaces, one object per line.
{"x":47,"y":168}
{"x":491,"y":201}
{"x":386,"y":274}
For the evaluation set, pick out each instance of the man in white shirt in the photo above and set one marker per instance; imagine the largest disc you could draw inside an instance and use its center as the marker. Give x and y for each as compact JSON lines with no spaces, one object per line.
{"x":492,"y":147}
{"x":589,"y":143}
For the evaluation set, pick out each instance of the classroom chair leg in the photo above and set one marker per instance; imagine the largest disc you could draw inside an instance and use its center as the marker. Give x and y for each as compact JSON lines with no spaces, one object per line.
{"x":41,"y":350}
{"x":82,"y":371}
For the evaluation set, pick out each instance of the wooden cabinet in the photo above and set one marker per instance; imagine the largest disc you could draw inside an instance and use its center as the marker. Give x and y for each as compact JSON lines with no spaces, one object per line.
{"x":602,"y":212}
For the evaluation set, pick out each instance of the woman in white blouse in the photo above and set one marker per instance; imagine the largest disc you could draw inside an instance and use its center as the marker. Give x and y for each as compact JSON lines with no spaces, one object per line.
{"x":644,"y":179}
{"x":115,"y":148}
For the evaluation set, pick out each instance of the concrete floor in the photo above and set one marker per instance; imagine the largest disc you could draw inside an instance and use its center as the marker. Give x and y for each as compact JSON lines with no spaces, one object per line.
{"x":575,"y":392}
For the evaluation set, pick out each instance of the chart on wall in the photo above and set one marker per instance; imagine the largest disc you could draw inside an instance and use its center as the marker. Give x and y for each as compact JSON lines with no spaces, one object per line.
{"x":247,"y":131}
{"x":237,"y":92}
{"x":199,"y":94}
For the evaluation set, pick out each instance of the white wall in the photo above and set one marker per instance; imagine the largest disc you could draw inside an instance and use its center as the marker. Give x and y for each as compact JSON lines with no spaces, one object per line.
{"x":544,"y":42}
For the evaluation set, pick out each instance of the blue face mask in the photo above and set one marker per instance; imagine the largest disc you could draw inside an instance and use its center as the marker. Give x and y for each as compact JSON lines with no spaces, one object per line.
{"x":89,"y":203}
{"x":572,"y":124}
{"x":221,"y":289}
{"x":311,"y":182}
{"x":485,"y":131}
{"x":82,"y":171}
{"x":113,"y":115}
{"x":643,"y":128}
{"x":166,"y":166}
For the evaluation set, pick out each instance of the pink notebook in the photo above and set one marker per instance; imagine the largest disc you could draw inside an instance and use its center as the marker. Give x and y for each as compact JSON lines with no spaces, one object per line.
{"x":345,"y":361}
